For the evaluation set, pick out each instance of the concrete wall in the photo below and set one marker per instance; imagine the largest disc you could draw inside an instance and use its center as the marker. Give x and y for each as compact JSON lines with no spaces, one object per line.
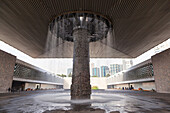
{"x":161,"y":66}
{"x":121,"y":85}
{"x":30,"y":85}
{"x":67,"y":82}
{"x":94,"y":81}
{"x":99,"y":82}
{"x":7,"y":63}
{"x":48,"y":86}
{"x":41,"y":86}
{"x":144,"y":85}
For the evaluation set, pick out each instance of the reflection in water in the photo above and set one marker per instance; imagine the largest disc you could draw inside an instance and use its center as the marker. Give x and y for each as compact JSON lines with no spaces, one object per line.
{"x":38,"y":103}
{"x":80,"y":107}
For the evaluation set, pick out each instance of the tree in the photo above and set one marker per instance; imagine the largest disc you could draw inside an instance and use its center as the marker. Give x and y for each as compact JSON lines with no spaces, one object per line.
{"x":108,"y":75}
{"x":70,"y":75}
{"x":62,"y":75}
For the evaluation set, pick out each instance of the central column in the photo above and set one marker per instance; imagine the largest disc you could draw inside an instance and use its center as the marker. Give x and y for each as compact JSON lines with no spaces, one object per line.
{"x":81,"y":88}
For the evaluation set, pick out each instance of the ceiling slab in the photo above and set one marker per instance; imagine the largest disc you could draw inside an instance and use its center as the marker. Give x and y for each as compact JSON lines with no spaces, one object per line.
{"x":138,"y":25}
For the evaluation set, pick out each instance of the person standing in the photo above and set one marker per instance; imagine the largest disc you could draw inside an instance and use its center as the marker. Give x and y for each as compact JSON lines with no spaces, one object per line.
{"x":9,"y":89}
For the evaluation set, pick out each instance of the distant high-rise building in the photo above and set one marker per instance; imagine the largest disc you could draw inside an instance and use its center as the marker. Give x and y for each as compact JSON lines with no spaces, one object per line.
{"x":107,"y":72}
{"x":127,"y":64}
{"x":91,"y":68}
{"x":69,"y":71}
{"x":96,"y":72}
{"x":104,"y":70}
{"x":115,"y":68}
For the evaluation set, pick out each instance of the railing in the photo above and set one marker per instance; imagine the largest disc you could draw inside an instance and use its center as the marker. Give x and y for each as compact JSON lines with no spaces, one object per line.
{"x":138,"y":72}
{"x":25,"y":72}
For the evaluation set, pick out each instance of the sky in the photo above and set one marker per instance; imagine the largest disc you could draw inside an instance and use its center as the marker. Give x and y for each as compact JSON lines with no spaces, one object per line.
{"x":60,"y":65}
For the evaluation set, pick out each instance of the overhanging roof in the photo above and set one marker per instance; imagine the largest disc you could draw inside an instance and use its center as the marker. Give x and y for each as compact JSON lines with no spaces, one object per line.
{"x":138,"y":25}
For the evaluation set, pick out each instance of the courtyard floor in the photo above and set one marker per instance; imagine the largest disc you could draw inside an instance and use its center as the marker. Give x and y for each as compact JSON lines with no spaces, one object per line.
{"x":109,"y":101}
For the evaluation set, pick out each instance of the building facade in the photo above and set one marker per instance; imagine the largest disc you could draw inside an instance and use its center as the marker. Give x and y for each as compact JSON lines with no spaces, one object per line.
{"x":115,"y":68}
{"x":104,"y":71}
{"x":7,"y":63}
{"x":91,"y":68}
{"x":127,"y":64}
{"x":96,"y":72}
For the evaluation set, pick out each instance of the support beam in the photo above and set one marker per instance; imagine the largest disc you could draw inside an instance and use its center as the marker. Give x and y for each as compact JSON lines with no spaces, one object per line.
{"x":81,"y":88}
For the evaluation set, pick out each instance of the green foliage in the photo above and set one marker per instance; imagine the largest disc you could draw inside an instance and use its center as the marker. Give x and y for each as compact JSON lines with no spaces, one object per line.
{"x":95,"y":88}
{"x":70,"y":75}
{"x":62,"y":75}
{"x":107,"y":75}
{"x":94,"y":76}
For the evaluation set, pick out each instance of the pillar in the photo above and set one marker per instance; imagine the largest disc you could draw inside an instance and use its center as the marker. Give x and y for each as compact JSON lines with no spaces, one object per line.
{"x":7,"y":63}
{"x":81,"y":88}
{"x":161,"y":68}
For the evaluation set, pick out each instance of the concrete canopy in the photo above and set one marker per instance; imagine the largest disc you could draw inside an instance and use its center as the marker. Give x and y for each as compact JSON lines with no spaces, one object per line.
{"x":138,"y":25}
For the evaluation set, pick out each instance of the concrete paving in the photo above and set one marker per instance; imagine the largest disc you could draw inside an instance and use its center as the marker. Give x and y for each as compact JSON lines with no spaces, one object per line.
{"x":58,"y":101}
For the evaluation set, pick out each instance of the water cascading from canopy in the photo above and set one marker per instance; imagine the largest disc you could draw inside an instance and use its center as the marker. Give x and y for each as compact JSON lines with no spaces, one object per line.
{"x":81,"y":28}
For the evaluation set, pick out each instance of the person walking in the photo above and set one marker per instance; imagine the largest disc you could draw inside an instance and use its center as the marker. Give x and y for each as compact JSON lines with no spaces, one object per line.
{"x":9,"y":89}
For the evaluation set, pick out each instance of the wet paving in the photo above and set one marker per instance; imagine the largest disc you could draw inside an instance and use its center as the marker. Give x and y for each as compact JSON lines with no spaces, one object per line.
{"x":108,"y":101}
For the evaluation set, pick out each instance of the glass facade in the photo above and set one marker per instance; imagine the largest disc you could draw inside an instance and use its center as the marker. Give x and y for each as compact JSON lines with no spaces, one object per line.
{"x":115,"y":68}
{"x":104,"y":70}
{"x":96,"y":72}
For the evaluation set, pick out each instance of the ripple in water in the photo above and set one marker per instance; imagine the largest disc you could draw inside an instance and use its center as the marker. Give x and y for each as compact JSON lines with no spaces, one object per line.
{"x":107,"y":101}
